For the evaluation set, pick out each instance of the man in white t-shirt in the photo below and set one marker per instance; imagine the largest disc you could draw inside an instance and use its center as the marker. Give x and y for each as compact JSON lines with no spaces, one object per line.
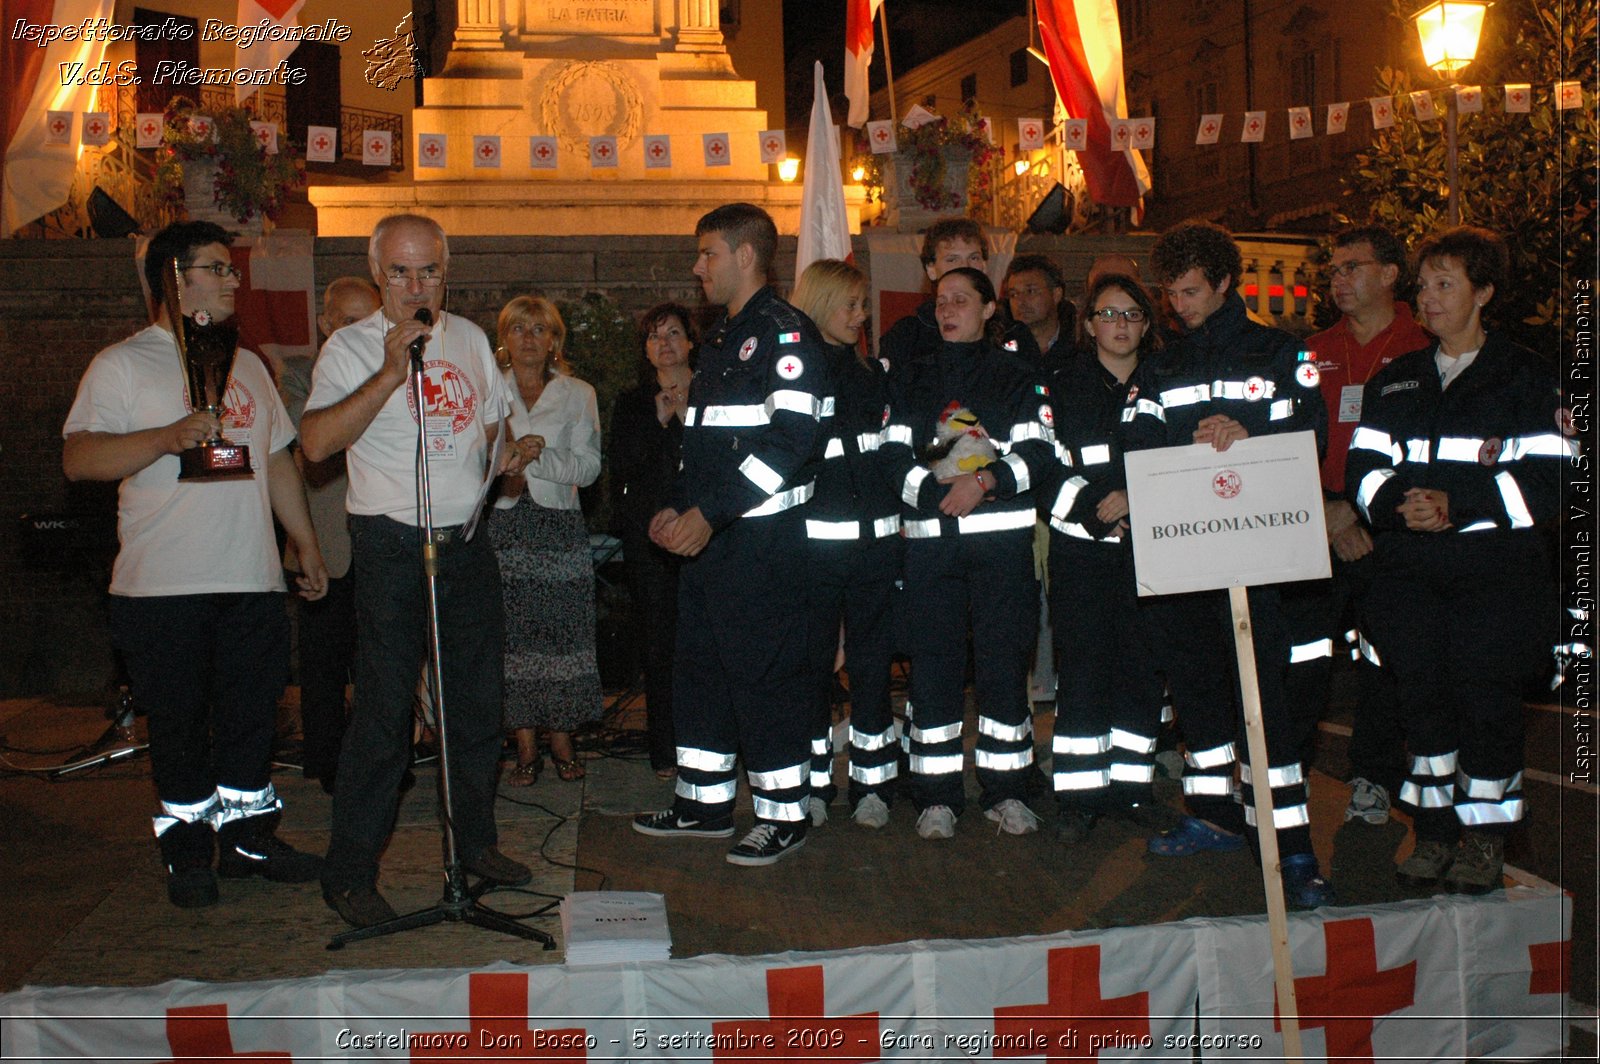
{"x":361,"y":403}
{"x":196,"y":591}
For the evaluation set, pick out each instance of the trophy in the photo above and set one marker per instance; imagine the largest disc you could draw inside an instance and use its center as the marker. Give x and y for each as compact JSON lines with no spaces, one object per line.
{"x":206,"y":350}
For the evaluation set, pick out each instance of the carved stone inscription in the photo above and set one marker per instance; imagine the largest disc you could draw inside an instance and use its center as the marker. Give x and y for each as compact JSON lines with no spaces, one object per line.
{"x":603,"y":17}
{"x":591,"y":99}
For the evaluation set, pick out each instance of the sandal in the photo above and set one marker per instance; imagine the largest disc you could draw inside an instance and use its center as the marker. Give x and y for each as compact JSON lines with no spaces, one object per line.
{"x":1194,"y":836}
{"x":526,"y":774}
{"x":570,"y":771}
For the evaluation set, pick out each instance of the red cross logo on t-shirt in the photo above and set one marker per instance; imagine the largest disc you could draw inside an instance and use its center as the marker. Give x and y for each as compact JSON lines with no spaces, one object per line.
{"x":448,"y":393}
{"x":1349,"y":999}
{"x":1076,"y":1021}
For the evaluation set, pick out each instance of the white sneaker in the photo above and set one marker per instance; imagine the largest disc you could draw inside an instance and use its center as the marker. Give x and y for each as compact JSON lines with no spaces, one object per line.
{"x":1013,"y":817}
{"x":936,"y":822}
{"x":871,"y":812}
{"x":818,"y":810}
{"x":1368,"y":801}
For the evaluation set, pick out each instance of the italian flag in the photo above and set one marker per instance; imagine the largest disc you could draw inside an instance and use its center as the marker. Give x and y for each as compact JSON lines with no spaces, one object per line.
{"x":264,"y":55}
{"x":858,"y":56}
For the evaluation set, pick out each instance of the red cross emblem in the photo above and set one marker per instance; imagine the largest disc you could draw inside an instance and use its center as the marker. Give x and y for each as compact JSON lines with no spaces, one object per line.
{"x":1383,"y":111}
{"x":321,"y":143}
{"x":447,"y":392}
{"x":1253,"y":388}
{"x":1299,"y":121}
{"x":200,"y":1032}
{"x":1470,"y":96}
{"x":1142,"y":132}
{"x":149,"y":129}
{"x":1030,"y":132}
{"x":799,"y":1026}
{"x":716,"y":148}
{"x":202,"y":128}
{"x":1308,"y":375}
{"x":1254,"y":125}
{"x":1517,"y":96}
{"x":604,"y":151}
{"x":375,"y":146}
{"x":497,"y":1006}
{"x":1489,"y":453}
{"x":656,"y":150}
{"x":1122,"y":132}
{"x":1551,"y":963}
{"x":772,"y":144}
{"x":1227,"y":484}
{"x":542,"y":151}
{"x":430,"y":149}
{"x":1211,"y":127}
{"x":880,"y":134}
{"x":1046,"y":415}
{"x":1075,"y":1020}
{"x":1348,"y":1000}
{"x":263,"y":135}
{"x":95,"y":126}
{"x":58,"y":126}
{"x":1569,"y":94}
{"x":487,"y":150}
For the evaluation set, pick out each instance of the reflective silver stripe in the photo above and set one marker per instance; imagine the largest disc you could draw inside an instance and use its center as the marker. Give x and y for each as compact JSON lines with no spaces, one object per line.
{"x":1437,"y":765}
{"x":1079,"y":745}
{"x":779,"y":779}
{"x":1147,"y":406}
{"x":1317,"y":648}
{"x":1370,"y":652}
{"x":1418,"y":451}
{"x":744,"y":416}
{"x":827,"y":406}
{"x":1071,"y":528}
{"x":1473,"y":814}
{"x":1006,"y":733}
{"x":835,"y":448}
{"x":1286,"y":776}
{"x":1370,"y":439}
{"x":761,"y":475}
{"x":821,"y":746}
{"x":1127,"y":740}
{"x":913,"y":484}
{"x":1280,"y":410}
{"x":1087,"y":780}
{"x":997,"y":521}
{"x":1195,"y":393}
{"x":869,"y":441}
{"x":1167,"y":715}
{"x":1095,"y":454}
{"x":1030,"y":430}
{"x":1458,"y":448}
{"x":784,"y":500}
{"x":785,"y":812}
{"x":1125,"y":773}
{"x":941,"y":734}
{"x":710,"y":794}
{"x":1425,"y":797}
{"x":1067,"y":496}
{"x":1002,"y":762}
{"x":202,"y":812}
{"x":864,"y":741}
{"x":1480,"y":526}
{"x":874,"y":774}
{"x":820,"y":779}
{"x":237,"y":805}
{"x":1019,"y":472}
{"x":1220,"y":786}
{"x":1235,"y":389}
{"x":897,"y":434}
{"x":1546,"y":445}
{"x":1288,"y":817}
{"x":1488,"y":790}
{"x":1511,"y":495}
{"x":832,"y":529}
{"x":1368,"y":490}
{"x":936,"y":765}
{"x":705,"y":760}
{"x":1215,"y":757}
{"x":690,"y":415}
{"x":798,"y":402}
{"x":886,"y":526}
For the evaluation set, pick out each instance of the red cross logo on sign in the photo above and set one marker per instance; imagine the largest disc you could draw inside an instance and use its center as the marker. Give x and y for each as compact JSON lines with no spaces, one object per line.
{"x":1142,"y":132}
{"x":375,"y":147}
{"x":1030,"y":132}
{"x":1517,"y":96}
{"x":1211,"y":127}
{"x":656,"y":150}
{"x":1254,"y":125}
{"x":1348,"y":1000}
{"x":542,"y":151}
{"x":202,"y":128}
{"x":200,"y":1032}
{"x":1299,"y":121}
{"x":772,"y":144}
{"x":1570,"y":95}
{"x":149,"y":129}
{"x":497,"y":1005}
{"x":1076,"y":1021}
{"x":1122,"y":132}
{"x":58,"y":126}
{"x":1227,"y":484}
{"x":603,"y":150}
{"x":487,"y":150}
{"x":716,"y":148}
{"x":881,"y":135}
{"x":95,"y":127}
{"x":431,"y":149}
{"x":799,"y":1025}
{"x":1383,"y":111}
{"x":263,"y":135}
{"x":321,"y":143}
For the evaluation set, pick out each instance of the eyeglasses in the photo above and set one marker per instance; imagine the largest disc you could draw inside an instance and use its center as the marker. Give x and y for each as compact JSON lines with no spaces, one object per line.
{"x":218,"y":269}
{"x":1348,"y":269}
{"x":1133,"y":315}
{"x":427,"y":277}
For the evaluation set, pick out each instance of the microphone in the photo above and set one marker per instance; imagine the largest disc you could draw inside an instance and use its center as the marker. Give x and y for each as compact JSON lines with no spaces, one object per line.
{"x":425,"y":316}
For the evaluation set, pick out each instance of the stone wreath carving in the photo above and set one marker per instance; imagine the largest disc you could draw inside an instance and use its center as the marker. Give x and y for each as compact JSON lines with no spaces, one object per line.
{"x":592,"y":98}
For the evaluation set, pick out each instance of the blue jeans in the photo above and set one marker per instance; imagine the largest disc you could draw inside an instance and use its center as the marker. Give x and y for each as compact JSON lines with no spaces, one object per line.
{"x":392,"y":647}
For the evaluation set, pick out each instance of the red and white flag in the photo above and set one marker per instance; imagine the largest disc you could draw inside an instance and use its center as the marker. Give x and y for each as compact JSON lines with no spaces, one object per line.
{"x":603,"y":153}
{"x":377,"y":147}
{"x":1300,"y":123}
{"x":1030,"y":134}
{"x":881,"y":136}
{"x":1122,"y":133}
{"x":1469,"y":99}
{"x":1518,"y":99}
{"x":824,"y":224}
{"x":202,"y":127}
{"x":486,"y":153}
{"x":266,"y":134}
{"x":1075,"y":134}
{"x":716,"y":150}
{"x":322,"y":144}
{"x":1569,"y":94}
{"x":264,"y":54}
{"x":1083,"y":42}
{"x":1382,"y":111}
{"x":432,"y":150}
{"x":1255,"y":127}
{"x":96,"y":128}
{"x":774,"y":143}
{"x":543,"y":153}
{"x":1210,"y":129}
{"x":1422,"y":104}
{"x":1338,"y":117}
{"x":147,"y":129}
{"x":658,"y":152}
{"x":858,"y":56}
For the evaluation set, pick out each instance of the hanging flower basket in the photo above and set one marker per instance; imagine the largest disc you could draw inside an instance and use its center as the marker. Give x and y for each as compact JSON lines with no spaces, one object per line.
{"x":920,"y":187}
{"x":228,"y":177}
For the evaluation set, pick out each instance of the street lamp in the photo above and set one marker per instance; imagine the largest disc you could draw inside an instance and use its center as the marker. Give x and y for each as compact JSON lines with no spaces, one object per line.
{"x":788,"y":169}
{"x":1449,"y":31}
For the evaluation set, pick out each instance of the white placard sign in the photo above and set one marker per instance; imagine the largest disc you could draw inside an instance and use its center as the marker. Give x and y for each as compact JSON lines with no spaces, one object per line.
{"x":1204,"y":519}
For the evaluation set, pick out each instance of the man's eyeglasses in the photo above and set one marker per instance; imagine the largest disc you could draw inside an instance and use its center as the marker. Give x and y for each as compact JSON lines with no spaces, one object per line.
{"x":1348,"y":269}
{"x":428,"y":277}
{"x":218,"y":269}
{"x":1133,"y":315}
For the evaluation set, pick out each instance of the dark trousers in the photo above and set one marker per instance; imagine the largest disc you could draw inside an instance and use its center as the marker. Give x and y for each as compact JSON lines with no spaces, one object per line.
{"x":740,"y":679}
{"x":852,"y":581}
{"x":653,"y":581}
{"x":987,"y":578}
{"x":392,"y":623}
{"x":327,"y":650}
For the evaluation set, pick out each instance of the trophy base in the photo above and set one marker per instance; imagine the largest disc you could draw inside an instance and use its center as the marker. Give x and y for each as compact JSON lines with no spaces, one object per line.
{"x":215,"y":461}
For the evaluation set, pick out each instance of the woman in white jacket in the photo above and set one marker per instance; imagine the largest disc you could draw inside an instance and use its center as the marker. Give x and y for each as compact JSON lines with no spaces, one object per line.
{"x":551,"y":680}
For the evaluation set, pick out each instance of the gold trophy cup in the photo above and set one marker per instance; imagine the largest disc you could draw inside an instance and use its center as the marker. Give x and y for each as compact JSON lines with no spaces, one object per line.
{"x":206,"y":349}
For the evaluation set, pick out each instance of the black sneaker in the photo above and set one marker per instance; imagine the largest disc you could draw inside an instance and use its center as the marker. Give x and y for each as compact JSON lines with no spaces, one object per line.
{"x":767,"y":843}
{"x":268,"y":857}
{"x":359,"y":906}
{"x":191,"y":888}
{"x":1074,"y":825}
{"x":670,"y":822}
{"x":496,"y":867}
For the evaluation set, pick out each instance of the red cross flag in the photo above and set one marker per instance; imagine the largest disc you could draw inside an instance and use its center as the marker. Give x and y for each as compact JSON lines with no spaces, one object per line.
{"x":322,"y":144}
{"x":147,"y":129}
{"x":543,"y":153}
{"x":774,"y":144}
{"x":1518,"y":99}
{"x":1144,"y":134}
{"x":1382,"y":111}
{"x":498,"y":1027}
{"x":432,"y":150}
{"x":1209,"y":130}
{"x":1300,"y":123}
{"x":1469,"y":99}
{"x":1030,"y":134}
{"x":1075,"y":134}
{"x":201,"y":1032}
{"x":1077,"y":1019}
{"x":716,"y":150}
{"x":1569,"y":94}
{"x":603,"y":153}
{"x":264,"y":54}
{"x":202,"y":127}
{"x":797,"y":1006}
{"x":1122,"y":133}
{"x":266,"y":134}
{"x":1255,"y":127}
{"x":486,"y":153}
{"x":1338,"y":117}
{"x":658,"y":152}
{"x":882,"y":137}
{"x":58,"y":127}
{"x":858,"y":57}
{"x":377,"y":147}
{"x":1422,"y":104}
{"x":96,"y":128}
{"x":1355,"y":994}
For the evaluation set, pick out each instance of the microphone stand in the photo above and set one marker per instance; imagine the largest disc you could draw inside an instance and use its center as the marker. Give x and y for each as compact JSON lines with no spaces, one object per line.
{"x":459,"y":904}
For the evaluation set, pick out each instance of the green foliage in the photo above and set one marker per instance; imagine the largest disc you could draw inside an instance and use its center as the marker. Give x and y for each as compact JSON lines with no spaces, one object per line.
{"x":1529,"y":177}
{"x":603,"y":349}
{"x":248,"y":180}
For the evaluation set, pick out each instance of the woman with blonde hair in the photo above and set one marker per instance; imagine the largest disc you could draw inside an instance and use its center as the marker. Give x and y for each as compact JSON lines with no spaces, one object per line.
{"x":551,"y":679}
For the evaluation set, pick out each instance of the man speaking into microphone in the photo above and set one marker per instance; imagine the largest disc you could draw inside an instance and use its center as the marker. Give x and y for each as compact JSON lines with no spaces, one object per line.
{"x":361,"y":401}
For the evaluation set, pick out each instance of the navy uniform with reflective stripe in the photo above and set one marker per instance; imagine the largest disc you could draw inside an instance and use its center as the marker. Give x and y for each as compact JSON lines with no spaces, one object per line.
{"x":979,"y":565}
{"x":853,"y":532}
{"x":1108,"y":696}
{"x":740,"y":681}
{"x":1251,"y":373}
{"x":1463,"y":617}
{"x":916,"y":336}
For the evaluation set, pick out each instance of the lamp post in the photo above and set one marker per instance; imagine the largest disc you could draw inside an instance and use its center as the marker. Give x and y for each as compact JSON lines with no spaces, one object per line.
{"x":1449,"y":31}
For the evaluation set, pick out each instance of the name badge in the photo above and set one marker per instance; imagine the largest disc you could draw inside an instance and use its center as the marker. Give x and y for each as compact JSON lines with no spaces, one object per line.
{"x":1350,"y":403}
{"x":441,"y":436}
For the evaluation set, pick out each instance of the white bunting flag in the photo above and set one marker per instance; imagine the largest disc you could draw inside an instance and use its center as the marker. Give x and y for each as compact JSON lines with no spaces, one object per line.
{"x":1422,"y":104}
{"x":918,"y":117}
{"x":658,"y":152}
{"x":1300,"y":123}
{"x":1075,"y":134}
{"x":58,"y":127}
{"x":1469,"y":99}
{"x":1121,"y":133}
{"x":266,"y":134}
{"x":716,"y":150}
{"x":202,"y":127}
{"x":774,"y":145}
{"x":485,"y":153}
{"x":1144,"y":134}
{"x":147,"y":129}
{"x":1569,"y":94}
{"x":1255,"y":127}
{"x":1210,"y":129}
{"x":881,"y":136}
{"x":1338,"y":117}
{"x":603,"y":153}
{"x":322,"y":144}
{"x":1382,"y":111}
{"x":1518,"y":99}
{"x":542,"y":153}
{"x":1030,"y":134}
{"x":377,"y":147}
{"x":432,"y":150}
{"x":96,"y":128}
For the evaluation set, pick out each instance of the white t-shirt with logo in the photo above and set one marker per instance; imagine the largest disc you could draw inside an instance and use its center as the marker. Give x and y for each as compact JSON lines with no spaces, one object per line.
{"x":462,"y":392}
{"x":185,"y":538}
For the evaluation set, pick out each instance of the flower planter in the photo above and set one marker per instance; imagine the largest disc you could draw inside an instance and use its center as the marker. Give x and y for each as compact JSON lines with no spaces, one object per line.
{"x":902,"y":209}
{"x":200,"y":199}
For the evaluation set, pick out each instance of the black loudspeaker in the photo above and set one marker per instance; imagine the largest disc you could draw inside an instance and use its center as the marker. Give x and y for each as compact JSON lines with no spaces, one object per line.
{"x":108,"y":219}
{"x":1053,"y":212}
